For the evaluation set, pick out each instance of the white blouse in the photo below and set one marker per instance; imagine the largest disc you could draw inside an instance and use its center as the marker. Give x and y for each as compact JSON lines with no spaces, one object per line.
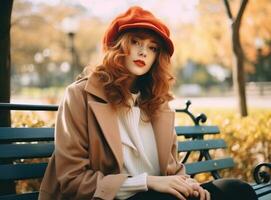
{"x":139,"y":151}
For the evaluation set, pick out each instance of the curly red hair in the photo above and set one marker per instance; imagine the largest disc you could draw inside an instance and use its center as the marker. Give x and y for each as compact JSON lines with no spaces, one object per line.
{"x":154,"y":86}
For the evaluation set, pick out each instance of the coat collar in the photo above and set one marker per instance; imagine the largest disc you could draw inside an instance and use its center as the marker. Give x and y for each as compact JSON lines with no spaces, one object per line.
{"x":163,"y":125}
{"x":94,"y":87}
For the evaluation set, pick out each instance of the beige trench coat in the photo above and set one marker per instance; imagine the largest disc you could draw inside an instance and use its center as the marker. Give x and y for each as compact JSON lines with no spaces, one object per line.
{"x":88,"y":156}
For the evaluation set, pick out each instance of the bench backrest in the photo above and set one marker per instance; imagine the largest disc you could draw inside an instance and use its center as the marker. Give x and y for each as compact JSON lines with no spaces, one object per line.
{"x":19,"y":144}
{"x":195,"y":141}
{"x":205,"y":162}
{"x":20,"y":149}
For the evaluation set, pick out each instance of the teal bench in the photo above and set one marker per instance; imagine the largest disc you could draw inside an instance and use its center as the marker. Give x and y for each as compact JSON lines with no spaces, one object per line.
{"x":195,"y":140}
{"x":20,"y":144}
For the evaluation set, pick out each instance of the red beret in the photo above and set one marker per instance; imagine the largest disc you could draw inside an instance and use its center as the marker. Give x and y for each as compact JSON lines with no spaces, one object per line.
{"x":136,"y":17}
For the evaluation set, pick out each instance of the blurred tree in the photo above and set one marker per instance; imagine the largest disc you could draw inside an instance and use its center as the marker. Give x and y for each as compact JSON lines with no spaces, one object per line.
{"x":256,"y":26}
{"x":238,"y":68}
{"x":208,"y":40}
{"x":5,"y":10}
{"x":41,"y":48}
{"x":263,"y":68}
{"x":45,"y":35}
{"x":195,"y":73}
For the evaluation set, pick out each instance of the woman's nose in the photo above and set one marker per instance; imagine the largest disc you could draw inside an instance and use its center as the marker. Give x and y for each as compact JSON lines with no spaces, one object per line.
{"x":142,"y":51}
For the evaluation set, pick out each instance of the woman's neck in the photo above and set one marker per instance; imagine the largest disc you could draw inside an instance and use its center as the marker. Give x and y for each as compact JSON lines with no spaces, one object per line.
{"x":133,"y":88}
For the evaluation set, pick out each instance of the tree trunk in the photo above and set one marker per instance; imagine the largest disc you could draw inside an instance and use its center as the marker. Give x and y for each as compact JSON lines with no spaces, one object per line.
{"x":238,"y":72}
{"x":5,"y":10}
{"x":238,"y":68}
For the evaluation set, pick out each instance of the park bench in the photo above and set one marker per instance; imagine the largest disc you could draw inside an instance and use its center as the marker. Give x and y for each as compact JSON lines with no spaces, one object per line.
{"x":20,"y":144}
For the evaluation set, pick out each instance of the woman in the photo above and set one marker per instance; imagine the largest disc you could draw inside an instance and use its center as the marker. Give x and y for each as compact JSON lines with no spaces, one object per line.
{"x":115,"y":134}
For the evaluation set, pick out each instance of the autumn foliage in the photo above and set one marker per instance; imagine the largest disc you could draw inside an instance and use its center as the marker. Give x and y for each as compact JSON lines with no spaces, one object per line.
{"x":248,"y":140}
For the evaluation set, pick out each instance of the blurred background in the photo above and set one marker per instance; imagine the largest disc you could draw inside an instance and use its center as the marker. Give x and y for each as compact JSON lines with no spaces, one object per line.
{"x":53,"y":40}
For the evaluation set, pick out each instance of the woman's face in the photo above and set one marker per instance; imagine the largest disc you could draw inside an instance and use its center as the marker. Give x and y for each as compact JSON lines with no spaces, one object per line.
{"x":142,"y":55}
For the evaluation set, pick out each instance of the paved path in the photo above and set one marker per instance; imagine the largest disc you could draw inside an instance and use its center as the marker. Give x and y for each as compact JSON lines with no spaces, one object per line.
{"x":197,"y":102}
{"x":222,"y":102}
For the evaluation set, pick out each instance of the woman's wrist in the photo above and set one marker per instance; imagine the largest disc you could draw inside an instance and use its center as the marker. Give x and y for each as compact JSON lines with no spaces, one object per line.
{"x":150,"y":181}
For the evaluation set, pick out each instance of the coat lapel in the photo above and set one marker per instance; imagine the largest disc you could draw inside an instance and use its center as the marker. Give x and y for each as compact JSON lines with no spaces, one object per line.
{"x":107,"y":119}
{"x":163,"y":129}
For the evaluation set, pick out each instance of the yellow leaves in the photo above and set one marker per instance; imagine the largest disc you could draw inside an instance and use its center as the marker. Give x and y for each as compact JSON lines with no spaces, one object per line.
{"x":235,"y":147}
{"x":248,"y":140}
{"x":26,"y":119}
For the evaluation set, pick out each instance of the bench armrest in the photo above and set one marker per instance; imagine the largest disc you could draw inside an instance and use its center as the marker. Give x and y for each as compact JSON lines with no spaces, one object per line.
{"x":261,"y":176}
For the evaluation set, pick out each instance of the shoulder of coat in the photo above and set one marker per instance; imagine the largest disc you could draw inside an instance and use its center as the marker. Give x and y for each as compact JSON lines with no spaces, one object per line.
{"x":77,"y":85}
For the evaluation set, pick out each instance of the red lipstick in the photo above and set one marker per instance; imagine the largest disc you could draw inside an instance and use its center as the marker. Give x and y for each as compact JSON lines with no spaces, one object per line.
{"x":139,"y":63}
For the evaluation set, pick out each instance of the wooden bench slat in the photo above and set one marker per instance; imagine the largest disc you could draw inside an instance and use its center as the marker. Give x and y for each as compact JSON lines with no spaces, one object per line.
{"x":263,"y":190}
{"x":258,"y":186}
{"x":8,"y":134}
{"x":190,"y":131}
{"x":196,"y":145}
{"x":265,"y":197}
{"x":22,"y":171}
{"x":27,"y":107}
{"x":209,"y":165}
{"x":18,"y":151}
{"x":26,"y":196}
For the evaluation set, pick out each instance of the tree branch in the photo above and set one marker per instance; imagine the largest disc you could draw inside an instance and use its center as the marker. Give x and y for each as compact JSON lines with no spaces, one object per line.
{"x":228,"y":9}
{"x":241,"y":12}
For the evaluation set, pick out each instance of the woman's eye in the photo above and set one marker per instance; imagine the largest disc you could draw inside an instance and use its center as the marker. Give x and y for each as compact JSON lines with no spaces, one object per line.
{"x":154,"y":49}
{"x":135,"y":42}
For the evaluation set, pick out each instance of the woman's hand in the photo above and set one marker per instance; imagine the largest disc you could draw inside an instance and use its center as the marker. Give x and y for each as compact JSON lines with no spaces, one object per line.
{"x":175,"y":185}
{"x":181,"y":186}
{"x":198,"y":191}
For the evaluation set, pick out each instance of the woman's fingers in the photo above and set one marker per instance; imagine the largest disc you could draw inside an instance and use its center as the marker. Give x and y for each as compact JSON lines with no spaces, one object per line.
{"x":202,"y":194}
{"x":183,"y":188}
{"x":195,"y":193}
{"x":180,"y":186}
{"x":176,"y":194}
{"x":191,"y":186}
{"x":199,"y":191}
{"x":207,"y":195}
{"x":183,"y":185}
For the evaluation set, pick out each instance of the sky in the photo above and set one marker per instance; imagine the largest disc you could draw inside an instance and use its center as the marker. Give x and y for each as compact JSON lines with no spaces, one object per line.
{"x":173,"y":11}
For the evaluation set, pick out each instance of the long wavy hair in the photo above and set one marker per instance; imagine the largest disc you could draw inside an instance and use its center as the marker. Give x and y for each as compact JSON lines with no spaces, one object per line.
{"x":154,"y":86}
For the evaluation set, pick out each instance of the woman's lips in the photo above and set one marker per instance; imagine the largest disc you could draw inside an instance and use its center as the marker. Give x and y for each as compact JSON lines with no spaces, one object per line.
{"x":139,"y":63}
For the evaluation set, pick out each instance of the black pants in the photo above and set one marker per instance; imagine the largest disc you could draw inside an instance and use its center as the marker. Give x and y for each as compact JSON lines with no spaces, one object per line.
{"x":221,"y":189}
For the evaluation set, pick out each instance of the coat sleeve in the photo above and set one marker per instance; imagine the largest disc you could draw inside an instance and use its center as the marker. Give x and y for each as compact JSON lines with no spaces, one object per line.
{"x":76,"y":179}
{"x":180,"y":168}
{"x":174,"y":166}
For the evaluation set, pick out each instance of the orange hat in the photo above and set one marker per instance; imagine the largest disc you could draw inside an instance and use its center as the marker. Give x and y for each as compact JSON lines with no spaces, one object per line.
{"x":136,"y":17}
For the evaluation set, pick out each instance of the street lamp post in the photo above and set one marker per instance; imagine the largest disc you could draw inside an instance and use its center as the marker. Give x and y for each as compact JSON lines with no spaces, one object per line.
{"x":259,"y":43}
{"x":259,"y":75}
{"x":69,"y":26}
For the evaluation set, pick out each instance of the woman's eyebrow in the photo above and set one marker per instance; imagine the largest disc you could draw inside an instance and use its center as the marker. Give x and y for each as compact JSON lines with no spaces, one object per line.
{"x":143,"y":38}
{"x":153,"y":41}
{"x":137,"y":38}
